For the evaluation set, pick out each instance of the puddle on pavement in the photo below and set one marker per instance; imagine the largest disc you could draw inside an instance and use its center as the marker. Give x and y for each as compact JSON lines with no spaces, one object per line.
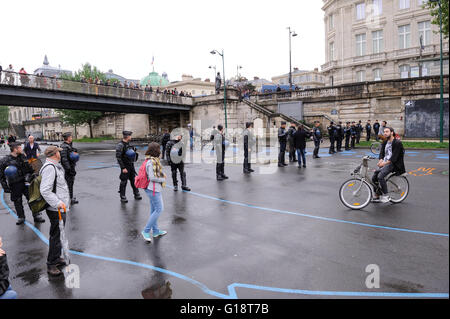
{"x":178,"y":220}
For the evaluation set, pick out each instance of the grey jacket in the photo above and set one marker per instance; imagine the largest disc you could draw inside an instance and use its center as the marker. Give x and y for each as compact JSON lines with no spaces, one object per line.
{"x":48,"y":178}
{"x":157,"y":181}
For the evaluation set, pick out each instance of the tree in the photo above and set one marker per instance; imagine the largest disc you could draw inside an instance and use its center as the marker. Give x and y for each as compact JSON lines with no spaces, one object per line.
{"x":76,"y":117}
{"x":88,"y":72}
{"x":434,"y":11}
{"x":4,"y":117}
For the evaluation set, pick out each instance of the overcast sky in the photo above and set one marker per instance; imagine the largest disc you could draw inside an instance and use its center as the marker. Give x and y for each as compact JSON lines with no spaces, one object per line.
{"x":124,"y":35}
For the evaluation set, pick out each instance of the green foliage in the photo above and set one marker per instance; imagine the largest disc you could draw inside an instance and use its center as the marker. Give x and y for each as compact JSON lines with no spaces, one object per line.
{"x":434,"y":10}
{"x":412,"y":144}
{"x":76,"y":117}
{"x":88,"y":72}
{"x":4,"y":113}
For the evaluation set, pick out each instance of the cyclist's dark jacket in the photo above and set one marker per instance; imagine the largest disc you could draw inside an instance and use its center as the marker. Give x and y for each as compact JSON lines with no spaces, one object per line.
{"x":397,"y":155}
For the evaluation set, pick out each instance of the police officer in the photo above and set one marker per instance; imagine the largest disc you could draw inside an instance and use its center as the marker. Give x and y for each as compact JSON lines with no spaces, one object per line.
{"x":332,"y":133}
{"x":348,"y":134}
{"x":368,"y":130}
{"x":353,"y":130}
{"x":127,"y":170}
{"x":291,"y":131}
{"x":249,"y":142}
{"x":69,"y":164}
{"x":176,"y":162}
{"x":359,"y":129}
{"x":15,"y":185}
{"x":219,"y":144}
{"x":282,"y":139}
{"x":165,"y":138}
{"x":317,"y":137}
{"x":339,"y":136}
{"x":376,"y":129}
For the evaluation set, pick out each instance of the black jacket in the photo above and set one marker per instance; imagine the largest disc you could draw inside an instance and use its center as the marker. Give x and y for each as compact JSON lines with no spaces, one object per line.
{"x":169,"y":146}
{"x":31,"y":152}
{"x":398,"y":153}
{"x":282,"y":135}
{"x":332,"y":131}
{"x":317,"y":134}
{"x":24,"y":170}
{"x":165,"y":138}
{"x":368,"y":128}
{"x":339,"y":131}
{"x":4,"y":275}
{"x":291,"y":132}
{"x":122,"y":159}
{"x":300,"y":138}
{"x":66,"y":162}
{"x":376,"y":127}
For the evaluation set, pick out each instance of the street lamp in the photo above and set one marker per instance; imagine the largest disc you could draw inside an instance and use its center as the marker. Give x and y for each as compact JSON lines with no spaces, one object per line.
{"x":224,"y":85}
{"x":237,"y":71}
{"x":215,"y":70}
{"x":441,"y":126}
{"x":291,"y":34}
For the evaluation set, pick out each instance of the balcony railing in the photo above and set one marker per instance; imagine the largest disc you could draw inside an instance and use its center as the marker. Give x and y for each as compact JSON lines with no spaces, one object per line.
{"x":57,"y":84}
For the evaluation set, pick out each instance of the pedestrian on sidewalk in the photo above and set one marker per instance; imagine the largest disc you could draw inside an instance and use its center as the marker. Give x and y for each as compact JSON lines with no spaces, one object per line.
{"x":55,"y":192}
{"x":6,"y":291}
{"x":300,"y":137}
{"x":157,"y":180}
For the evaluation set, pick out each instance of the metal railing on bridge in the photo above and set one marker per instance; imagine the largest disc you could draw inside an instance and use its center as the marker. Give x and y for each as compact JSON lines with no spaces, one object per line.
{"x":14,"y":79}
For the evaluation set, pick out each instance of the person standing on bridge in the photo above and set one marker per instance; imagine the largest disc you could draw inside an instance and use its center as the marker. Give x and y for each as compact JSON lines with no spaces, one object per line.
{"x":126,"y":156}
{"x":69,"y":156}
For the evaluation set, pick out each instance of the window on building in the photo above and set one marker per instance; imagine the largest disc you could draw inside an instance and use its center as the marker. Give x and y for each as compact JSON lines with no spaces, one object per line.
{"x":404,"y":36}
{"x":361,"y":44}
{"x":377,"y":74}
{"x":377,"y":7}
{"x":425,"y":32}
{"x":360,"y":76}
{"x":331,"y":51}
{"x":331,"y":22}
{"x":360,"y":11}
{"x":403,"y":4}
{"x":404,"y":71}
{"x":377,"y":41}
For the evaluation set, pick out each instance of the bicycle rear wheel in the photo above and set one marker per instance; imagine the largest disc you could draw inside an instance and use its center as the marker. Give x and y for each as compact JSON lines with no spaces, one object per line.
{"x":375,"y":148}
{"x":355,"y":193}
{"x":398,"y":188}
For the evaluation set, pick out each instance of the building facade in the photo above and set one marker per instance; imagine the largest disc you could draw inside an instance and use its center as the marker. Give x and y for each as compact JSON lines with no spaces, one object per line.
{"x":194,"y":86}
{"x":372,"y":40}
{"x":301,"y":78}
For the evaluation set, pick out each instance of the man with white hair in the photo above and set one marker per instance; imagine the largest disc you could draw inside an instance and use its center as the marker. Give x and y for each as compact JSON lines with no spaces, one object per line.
{"x":32,"y":149}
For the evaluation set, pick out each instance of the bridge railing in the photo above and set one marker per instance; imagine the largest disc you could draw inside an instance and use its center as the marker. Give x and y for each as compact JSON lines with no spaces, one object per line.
{"x":58,"y":84}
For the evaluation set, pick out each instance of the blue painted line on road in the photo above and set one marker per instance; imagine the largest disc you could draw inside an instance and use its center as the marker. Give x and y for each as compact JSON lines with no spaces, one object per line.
{"x":231,"y":288}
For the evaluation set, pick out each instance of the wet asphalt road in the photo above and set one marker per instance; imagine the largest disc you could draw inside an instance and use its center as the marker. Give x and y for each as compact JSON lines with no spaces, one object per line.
{"x":215,"y":239}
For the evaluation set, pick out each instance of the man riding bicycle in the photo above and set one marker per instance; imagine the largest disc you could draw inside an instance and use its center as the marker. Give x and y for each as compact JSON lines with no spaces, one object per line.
{"x":391,"y":160}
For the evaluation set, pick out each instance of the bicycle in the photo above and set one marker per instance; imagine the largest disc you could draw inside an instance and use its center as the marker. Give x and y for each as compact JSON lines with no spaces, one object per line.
{"x":357,"y":192}
{"x":375,"y":148}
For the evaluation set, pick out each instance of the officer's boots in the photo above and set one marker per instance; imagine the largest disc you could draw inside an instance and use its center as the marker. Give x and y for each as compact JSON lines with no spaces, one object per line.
{"x":183,"y":182}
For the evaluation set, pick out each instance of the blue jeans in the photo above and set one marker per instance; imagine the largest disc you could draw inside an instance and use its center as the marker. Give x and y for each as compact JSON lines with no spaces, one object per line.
{"x":156,"y":208}
{"x":300,"y":156}
{"x":9,"y":294}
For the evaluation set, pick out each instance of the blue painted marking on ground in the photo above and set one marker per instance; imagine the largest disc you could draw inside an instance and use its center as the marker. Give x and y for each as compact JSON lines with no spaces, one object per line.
{"x":232,"y":288}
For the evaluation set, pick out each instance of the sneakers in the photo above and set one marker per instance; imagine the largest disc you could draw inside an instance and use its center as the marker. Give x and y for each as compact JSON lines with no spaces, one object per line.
{"x":376,"y":200}
{"x":385,"y":199}
{"x":146,"y":236}
{"x":20,"y":221}
{"x":160,"y":233}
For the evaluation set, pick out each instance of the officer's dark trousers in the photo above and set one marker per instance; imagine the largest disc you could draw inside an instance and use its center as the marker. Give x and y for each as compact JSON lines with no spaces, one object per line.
{"x":358,"y":137}
{"x":124,"y":179}
{"x":332,"y":141}
{"x":353,"y":142}
{"x":292,"y":151}
{"x":368,"y":136}
{"x":220,"y":166}
{"x":376,"y":136}
{"x":339,"y":143}
{"x":17,"y":190}
{"x":316,"y":148}
{"x":347,"y":142}
{"x":247,"y":160}
{"x":70,"y":179}
{"x":163,"y":151}
{"x":179,"y":167}
{"x":54,"y":247}
{"x":282,"y":154}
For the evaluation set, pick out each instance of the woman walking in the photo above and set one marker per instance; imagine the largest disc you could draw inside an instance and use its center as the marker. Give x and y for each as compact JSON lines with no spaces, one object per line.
{"x":157,"y":181}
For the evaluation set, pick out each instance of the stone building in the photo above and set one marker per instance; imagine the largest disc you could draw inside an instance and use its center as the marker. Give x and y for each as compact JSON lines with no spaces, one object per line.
{"x":301,"y":78}
{"x":372,"y":40}
{"x":194,"y":86}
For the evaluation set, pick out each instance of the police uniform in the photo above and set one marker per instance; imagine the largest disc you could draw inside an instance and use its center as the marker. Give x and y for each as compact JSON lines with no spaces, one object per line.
{"x":348,"y":134}
{"x":69,"y":165}
{"x":359,"y":130}
{"x":249,"y":143}
{"x":354,"y":132}
{"x":126,"y":163}
{"x":282,"y":139}
{"x":317,"y":137}
{"x":16,"y":185}
{"x":339,"y":136}
{"x":332,"y":133}
{"x":368,"y":131}
{"x":177,"y":163}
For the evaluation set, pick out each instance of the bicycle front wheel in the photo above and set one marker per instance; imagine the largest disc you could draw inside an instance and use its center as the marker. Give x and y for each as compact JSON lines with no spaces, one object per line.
{"x":355,"y":193}
{"x":375,"y":148}
{"x":398,"y":188}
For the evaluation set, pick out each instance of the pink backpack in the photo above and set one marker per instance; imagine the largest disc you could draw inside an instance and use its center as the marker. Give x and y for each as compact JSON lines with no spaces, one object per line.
{"x":141,"y":180}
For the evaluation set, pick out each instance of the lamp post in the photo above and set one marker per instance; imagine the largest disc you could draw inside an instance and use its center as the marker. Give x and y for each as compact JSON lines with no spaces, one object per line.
{"x":215,"y":70}
{"x":237,"y":71}
{"x":291,"y":34}
{"x":224,"y":85}
{"x":441,"y":123}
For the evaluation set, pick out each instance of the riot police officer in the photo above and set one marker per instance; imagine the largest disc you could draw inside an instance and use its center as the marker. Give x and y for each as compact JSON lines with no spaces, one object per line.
{"x":19,"y":172}
{"x":332,"y":133}
{"x":219,"y":144}
{"x":359,"y":129}
{"x":291,"y":131}
{"x":317,"y":137}
{"x":176,"y":161}
{"x":126,"y":155}
{"x":348,"y":134}
{"x":69,"y":156}
{"x":368,"y":130}
{"x":354,"y":132}
{"x":339,"y":136}
{"x":249,"y":143}
{"x":282,"y":139}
